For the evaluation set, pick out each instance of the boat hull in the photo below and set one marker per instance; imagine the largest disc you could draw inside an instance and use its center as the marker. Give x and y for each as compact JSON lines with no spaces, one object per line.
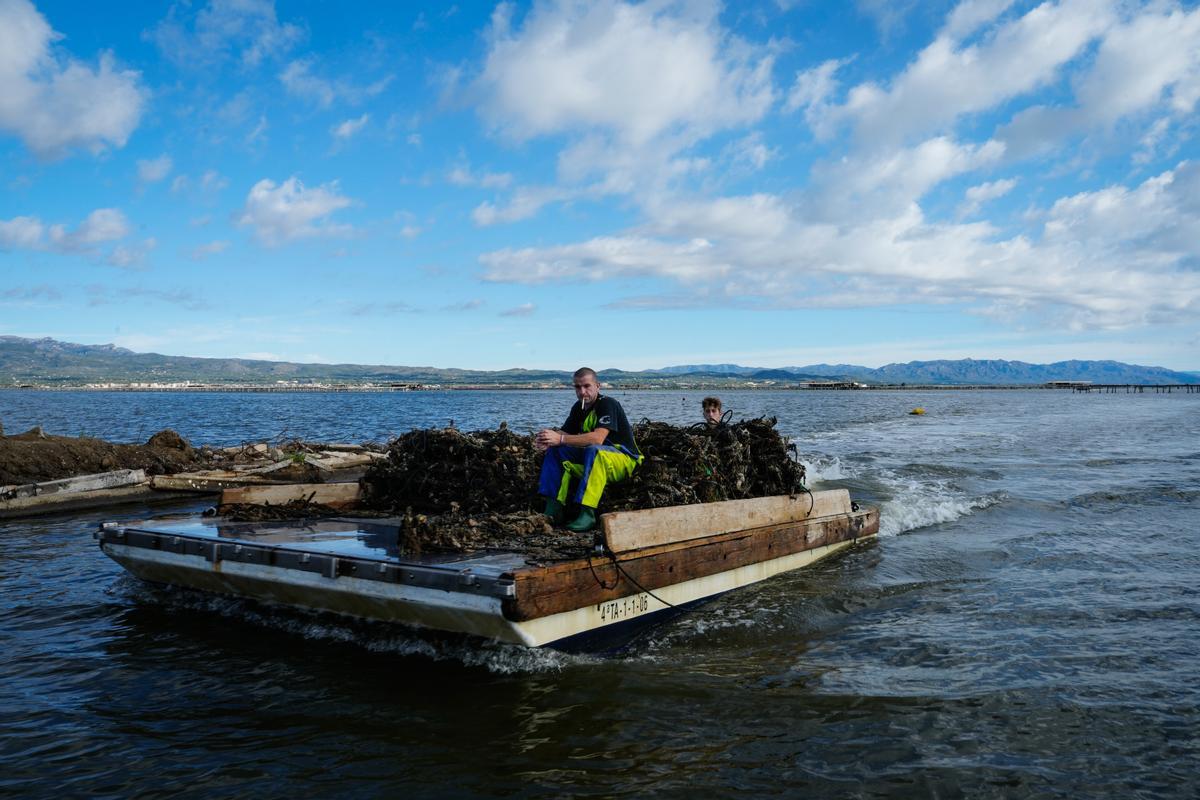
{"x":566,"y":604}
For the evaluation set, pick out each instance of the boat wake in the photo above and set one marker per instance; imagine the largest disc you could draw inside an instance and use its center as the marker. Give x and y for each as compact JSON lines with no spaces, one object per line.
{"x":915,"y":505}
{"x":820,"y":469}
{"x":375,"y":637}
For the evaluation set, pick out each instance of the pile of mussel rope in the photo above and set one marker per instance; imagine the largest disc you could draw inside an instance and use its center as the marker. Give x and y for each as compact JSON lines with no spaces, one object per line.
{"x":456,"y":490}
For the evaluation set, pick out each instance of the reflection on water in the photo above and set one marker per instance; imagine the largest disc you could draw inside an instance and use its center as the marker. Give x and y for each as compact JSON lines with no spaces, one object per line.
{"x":1027,"y":628}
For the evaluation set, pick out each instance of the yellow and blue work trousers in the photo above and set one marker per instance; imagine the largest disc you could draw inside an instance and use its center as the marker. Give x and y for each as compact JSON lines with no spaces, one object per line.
{"x":594,"y":466}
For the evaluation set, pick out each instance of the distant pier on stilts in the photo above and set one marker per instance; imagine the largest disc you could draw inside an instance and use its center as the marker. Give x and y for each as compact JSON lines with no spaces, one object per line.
{"x":1082,"y":387}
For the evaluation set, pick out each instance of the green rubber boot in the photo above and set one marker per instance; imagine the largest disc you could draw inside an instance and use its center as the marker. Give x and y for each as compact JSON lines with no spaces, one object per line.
{"x":554,"y":510}
{"x":585,"y":521}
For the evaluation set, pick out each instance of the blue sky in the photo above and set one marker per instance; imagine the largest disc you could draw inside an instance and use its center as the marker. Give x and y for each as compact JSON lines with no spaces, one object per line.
{"x":616,"y":184}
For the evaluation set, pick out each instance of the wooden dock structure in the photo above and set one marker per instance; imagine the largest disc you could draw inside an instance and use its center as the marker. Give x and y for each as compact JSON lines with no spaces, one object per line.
{"x":1136,"y":388}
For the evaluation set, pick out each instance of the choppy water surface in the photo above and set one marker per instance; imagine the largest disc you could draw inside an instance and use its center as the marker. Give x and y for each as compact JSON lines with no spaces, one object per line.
{"x":1026,"y":625}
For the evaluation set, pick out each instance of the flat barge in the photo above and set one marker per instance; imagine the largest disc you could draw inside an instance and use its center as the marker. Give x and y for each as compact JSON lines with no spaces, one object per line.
{"x":646,"y":563}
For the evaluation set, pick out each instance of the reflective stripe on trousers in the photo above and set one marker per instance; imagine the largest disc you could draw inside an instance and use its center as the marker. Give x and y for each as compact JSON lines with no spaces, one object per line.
{"x":595,"y":466}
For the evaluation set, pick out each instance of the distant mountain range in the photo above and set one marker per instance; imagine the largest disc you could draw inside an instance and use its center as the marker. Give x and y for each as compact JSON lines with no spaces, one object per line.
{"x":51,"y":362}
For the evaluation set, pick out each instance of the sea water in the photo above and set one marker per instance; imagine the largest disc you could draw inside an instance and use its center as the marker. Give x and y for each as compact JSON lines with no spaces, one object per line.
{"x":1026,"y":624}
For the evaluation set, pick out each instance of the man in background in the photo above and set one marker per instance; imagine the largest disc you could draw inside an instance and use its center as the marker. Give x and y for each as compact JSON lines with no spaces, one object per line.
{"x":711,"y":407}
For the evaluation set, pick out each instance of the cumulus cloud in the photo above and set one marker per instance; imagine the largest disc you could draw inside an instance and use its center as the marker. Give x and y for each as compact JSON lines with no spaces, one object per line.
{"x":300,"y":81}
{"x":522,"y":204}
{"x":154,"y":169}
{"x":949,"y":80}
{"x":976,"y":196}
{"x":247,"y":31}
{"x":101,"y":226}
{"x":55,"y":104}
{"x":1151,"y":61}
{"x":637,"y":71}
{"x":631,"y":86}
{"x":1107,"y":259}
{"x":288,"y":211}
{"x":813,"y":89}
{"x":350,"y":127}
{"x":23,"y":233}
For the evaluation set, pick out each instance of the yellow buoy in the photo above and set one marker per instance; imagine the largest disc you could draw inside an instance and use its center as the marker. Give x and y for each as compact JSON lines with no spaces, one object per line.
{"x":916,"y":412}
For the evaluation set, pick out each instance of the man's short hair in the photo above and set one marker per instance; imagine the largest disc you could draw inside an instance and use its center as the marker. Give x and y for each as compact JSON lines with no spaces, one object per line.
{"x":583,"y":372}
{"x":710,"y":402}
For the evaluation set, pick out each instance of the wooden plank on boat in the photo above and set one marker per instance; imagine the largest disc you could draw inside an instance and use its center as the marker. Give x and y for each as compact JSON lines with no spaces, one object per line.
{"x":198,"y":482}
{"x":79,"y":483}
{"x":337,"y":495}
{"x":541,"y":591}
{"x":631,"y":530}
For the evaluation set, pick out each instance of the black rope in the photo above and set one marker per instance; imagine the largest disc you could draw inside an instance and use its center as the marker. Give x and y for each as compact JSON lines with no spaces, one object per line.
{"x":622,"y":570}
{"x":602,"y":584}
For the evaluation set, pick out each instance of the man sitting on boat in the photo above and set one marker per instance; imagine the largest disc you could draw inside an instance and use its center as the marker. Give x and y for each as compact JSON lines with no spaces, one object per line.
{"x":595,"y":445}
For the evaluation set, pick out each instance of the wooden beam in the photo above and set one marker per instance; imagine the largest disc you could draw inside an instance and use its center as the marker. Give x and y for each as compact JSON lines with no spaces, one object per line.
{"x":631,"y":530}
{"x":75,"y":501}
{"x":198,"y":482}
{"x":80,"y":483}
{"x":541,"y":591}
{"x":337,"y":495}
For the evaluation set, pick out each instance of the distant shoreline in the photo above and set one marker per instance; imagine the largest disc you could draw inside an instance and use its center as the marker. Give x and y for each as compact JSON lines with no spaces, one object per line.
{"x":696,"y":387}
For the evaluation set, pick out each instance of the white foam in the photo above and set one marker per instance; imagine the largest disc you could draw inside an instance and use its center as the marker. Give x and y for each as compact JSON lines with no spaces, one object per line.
{"x":399,"y":640}
{"x":919,"y":505}
{"x":821,"y":468}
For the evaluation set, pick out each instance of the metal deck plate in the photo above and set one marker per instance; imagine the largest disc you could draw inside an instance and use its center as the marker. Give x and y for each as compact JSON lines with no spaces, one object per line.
{"x":340,"y":546}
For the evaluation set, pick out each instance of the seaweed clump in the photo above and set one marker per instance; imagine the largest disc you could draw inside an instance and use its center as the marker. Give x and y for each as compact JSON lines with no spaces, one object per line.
{"x":455,"y":490}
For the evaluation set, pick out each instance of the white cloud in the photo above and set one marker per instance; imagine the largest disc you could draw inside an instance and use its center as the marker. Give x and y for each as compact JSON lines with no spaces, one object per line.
{"x":288,"y":211}
{"x":523,"y":310}
{"x":813,"y":89}
{"x":970,"y":15}
{"x":523,"y":204}
{"x":131,"y":256}
{"x":948,"y":81}
{"x":462,"y":176}
{"x":976,"y":196}
{"x":1111,"y":258}
{"x":53,"y":104}
{"x":1151,"y":61}
{"x":210,"y":249}
{"x":299,"y":80}
{"x":101,"y":226}
{"x":210,"y":182}
{"x":246,"y":30}
{"x":155,"y":169}
{"x":636,"y":71}
{"x":21,"y":232}
{"x":348,"y":128}
{"x":750,"y":151}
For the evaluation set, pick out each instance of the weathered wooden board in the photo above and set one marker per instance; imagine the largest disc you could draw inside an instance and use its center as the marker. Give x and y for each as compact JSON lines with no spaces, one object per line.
{"x":337,"y":495}
{"x":631,"y":530}
{"x":551,"y":589}
{"x":198,"y":482}
{"x":79,"y":483}
{"x":74,"y":501}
